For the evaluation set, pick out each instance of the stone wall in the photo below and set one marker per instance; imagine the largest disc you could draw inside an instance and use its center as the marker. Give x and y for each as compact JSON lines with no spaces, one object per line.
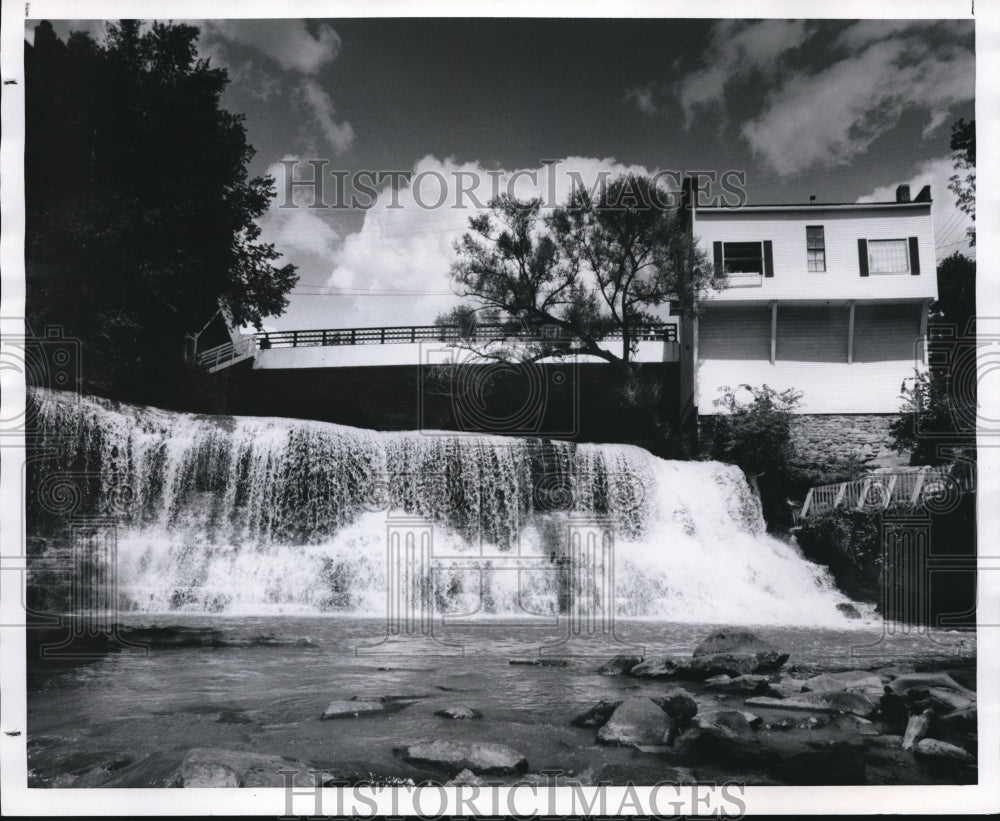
{"x":818,"y":438}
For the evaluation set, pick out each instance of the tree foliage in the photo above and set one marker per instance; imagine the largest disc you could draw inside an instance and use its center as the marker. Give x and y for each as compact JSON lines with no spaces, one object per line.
{"x":754,"y":432}
{"x":594,"y":266}
{"x":141,"y":218}
{"x":963,"y":144}
{"x":937,"y":420}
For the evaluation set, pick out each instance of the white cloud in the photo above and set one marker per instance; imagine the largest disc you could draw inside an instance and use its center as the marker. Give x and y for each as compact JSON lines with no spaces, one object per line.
{"x":830,"y":117}
{"x":287,"y":42}
{"x":339,"y":135}
{"x":642,"y":99}
{"x":949,"y":222}
{"x":300,"y":230}
{"x":410,"y":248}
{"x":737,"y":50}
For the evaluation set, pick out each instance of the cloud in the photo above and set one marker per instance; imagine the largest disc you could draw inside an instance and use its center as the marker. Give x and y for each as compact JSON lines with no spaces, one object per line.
{"x":949,"y":222}
{"x":410,"y":247}
{"x":830,"y":117}
{"x":339,"y":135}
{"x":642,"y":99}
{"x":288,"y":42}
{"x":300,"y":230}
{"x":737,"y":51}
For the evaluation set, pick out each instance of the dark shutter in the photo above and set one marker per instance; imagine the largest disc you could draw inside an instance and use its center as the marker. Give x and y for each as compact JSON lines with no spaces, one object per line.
{"x":717,"y":251}
{"x":863,"y":256}
{"x":914,"y":256}
{"x":768,"y":259}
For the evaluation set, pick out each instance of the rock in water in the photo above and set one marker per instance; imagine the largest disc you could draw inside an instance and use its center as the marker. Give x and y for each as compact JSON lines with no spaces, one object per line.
{"x":455,"y":756}
{"x":868,"y":683}
{"x":351,"y":709}
{"x":636,"y":721}
{"x":917,"y":729}
{"x":666,"y":667}
{"x":678,"y":704}
{"x":849,"y":610}
{"x":619,"y":665}
{"x":732,"y":720}
{"x":843,"y":701}
{"x":942,"y":750}
{"x":959,"y":722}
{"x":596,"y":715}
{"x":733,"y":641}
{"x":210,"y":767}
{"x":458,"y":712}
{"x":921,"y":681}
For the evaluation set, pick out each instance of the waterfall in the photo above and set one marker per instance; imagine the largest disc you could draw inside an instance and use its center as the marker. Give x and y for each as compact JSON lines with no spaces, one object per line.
{"x":248,"y":515}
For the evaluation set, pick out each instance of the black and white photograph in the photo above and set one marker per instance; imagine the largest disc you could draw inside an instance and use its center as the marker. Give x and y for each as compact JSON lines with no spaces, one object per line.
{"x":497,"y":412}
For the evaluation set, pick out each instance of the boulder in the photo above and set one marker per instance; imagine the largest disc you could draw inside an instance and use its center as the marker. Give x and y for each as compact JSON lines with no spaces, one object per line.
{"x":748,"y":685}
{"x":931,"y":748}
{"x":923,"y":681}
{"x":865,"y":682}
{"x":733,"y":720}
{"x":849,"y":610}
{"x":664,"y":667}
{"x":458,"y":712}
{"x":596,"y":715}
{"x":352,"y":709}
{"x":842,"y":701}
{"x":917,"y":729}
{"x":455,"y":756}
{"x":619,"y":665}
{"x":732,"y":641}
{"x":636,"y":720}
{"x":679,"y":704}
{"x":210,"y":767}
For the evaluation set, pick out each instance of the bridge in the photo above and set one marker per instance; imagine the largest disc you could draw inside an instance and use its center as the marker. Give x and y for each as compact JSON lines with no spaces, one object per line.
{"x":413,"y":345}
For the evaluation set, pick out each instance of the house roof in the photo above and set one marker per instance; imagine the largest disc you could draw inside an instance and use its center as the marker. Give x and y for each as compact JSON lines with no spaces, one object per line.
{"x":814,"y":206}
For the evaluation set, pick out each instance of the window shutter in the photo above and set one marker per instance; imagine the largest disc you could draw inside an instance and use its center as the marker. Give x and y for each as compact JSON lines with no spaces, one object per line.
{"x":768,"y":259}
{"x":863,"y":256}
{"x":914,"y":256}
{"x":717,"y":252}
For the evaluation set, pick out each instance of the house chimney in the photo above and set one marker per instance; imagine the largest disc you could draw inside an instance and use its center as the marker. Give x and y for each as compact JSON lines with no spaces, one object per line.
{"x":902,"y":193}
{"x":924,"y":195}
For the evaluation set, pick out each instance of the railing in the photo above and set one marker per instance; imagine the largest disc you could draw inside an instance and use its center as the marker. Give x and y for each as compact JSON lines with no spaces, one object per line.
{"x":226,"y":354}
{"x":434,"y":333}
{"x":878,"y":490}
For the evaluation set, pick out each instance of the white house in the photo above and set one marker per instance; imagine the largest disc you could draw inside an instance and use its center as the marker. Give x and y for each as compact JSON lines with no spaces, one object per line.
{"x":828,"y":299}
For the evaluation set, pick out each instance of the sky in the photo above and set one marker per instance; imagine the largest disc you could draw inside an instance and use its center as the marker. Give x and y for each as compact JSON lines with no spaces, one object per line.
{"x":841,"y":109}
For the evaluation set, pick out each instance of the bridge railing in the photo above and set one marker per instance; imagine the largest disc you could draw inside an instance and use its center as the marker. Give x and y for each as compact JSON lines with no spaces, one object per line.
{"x":878,"y":490}
{"x":431,"y":333}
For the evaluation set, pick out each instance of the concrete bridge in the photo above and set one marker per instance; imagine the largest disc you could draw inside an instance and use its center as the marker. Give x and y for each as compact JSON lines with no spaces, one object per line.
{"x":431,"y":377}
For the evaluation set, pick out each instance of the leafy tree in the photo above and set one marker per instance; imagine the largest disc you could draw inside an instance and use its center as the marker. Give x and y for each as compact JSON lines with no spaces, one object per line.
{"x":141,"y":218}
{"x":755,"y":433}
{"x":937,"y":421}
{"x":590,"y":269}
{"x":963,"y":143}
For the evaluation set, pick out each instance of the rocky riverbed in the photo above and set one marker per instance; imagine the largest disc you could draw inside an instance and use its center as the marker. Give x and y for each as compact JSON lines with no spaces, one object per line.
{"x":736,"y":708}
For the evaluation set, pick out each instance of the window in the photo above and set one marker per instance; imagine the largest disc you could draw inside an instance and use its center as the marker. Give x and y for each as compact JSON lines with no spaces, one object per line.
{"x":888,"y":256}
{"x":743,"y":257}
{"x":815,"y":248}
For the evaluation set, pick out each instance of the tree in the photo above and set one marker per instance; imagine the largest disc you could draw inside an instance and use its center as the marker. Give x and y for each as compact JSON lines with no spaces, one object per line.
{"x":141,"y":218}
{"x":589,"y":270}
{"x":937,"y":421}
{"x":963,"y":143}
{"x":755,"y":433}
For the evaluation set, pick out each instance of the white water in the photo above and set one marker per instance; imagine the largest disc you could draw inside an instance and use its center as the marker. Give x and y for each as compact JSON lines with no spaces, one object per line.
{"x":245,"y":515}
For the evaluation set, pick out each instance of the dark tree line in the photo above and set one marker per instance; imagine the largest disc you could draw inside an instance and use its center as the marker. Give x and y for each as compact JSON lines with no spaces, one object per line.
{"x":141,"y":217}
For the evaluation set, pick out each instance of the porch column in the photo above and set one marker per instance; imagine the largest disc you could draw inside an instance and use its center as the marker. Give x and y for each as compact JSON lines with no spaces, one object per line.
{"x":774,"y":328}
{"x":850,"y":332}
